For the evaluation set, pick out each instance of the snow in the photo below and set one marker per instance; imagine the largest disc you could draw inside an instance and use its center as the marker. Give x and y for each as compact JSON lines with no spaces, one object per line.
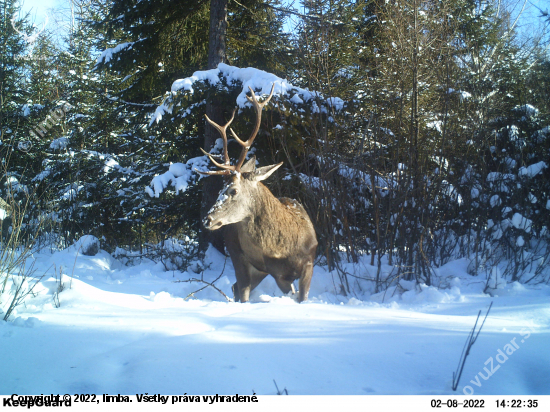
{"x":42,"y":175}
{"x":133,"y":329}
{"x":495,"y":201}
{"x":179,"y":176}
{"x":296,"y":99}
{"x":260,"y":81}
{"x":335,"y":102}
{"x":527,"y":109}
{"x":541,"y":135}
{"x":500,"y":181}
{"x":59,"y":144}
{"x":87,"y":245}
{"x":533,"y":170}
{"x":436,"y":125}
{"x":462,"y":94}
{"x":520,"y":222}
{"x":449,"y":190}
{"x":25,"y":110}
{"x":177,"y":169}
{"x":108,"y":54}
{"x":222,"y":197}
{"x":496,"y":281}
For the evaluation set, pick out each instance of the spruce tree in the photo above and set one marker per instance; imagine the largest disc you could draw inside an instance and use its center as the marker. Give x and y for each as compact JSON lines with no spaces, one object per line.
{"x":152,"y":44}
{"x":15,"y":142}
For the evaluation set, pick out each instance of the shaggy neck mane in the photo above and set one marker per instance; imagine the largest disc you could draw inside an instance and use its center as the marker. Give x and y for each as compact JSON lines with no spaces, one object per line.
{"x":273,"y":225}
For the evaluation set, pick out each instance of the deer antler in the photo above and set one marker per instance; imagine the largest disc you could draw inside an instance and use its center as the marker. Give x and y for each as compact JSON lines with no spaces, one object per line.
{"x":258,"y":106}
{"x":226,"y":166}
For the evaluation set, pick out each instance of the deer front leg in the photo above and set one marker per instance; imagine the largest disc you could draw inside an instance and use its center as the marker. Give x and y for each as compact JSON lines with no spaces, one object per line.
{"x":236,"y":294}
{"x":248,"y":277}
{"x":244,"y":293}
{"x":253,"y":279}
{"x":305,"y":281}
{"x":241,"y":288}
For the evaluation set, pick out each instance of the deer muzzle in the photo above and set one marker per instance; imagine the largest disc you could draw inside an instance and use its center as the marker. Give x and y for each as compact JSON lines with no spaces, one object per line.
{"x":211,"y":224}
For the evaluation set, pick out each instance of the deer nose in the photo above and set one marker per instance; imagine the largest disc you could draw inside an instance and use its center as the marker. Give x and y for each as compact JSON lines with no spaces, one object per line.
{"x":212,"y":224}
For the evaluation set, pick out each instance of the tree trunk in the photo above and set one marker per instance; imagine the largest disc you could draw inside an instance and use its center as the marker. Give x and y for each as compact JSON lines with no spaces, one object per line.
{"x":216,"y":55}
{"x":218,"y":30}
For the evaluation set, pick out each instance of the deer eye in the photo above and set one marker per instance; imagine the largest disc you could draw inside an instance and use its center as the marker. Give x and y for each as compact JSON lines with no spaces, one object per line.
{"x":233,"y":192}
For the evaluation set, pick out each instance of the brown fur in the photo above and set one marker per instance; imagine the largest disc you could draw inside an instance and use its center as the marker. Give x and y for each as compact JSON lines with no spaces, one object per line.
{"x":274,"y":236}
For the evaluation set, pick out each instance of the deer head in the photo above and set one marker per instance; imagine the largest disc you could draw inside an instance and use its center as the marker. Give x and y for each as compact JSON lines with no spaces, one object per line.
{"x":237,"y":199}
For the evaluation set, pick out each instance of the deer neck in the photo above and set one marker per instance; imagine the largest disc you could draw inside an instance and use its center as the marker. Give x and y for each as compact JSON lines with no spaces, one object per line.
{"x":266,"y":221}
{"x":264,"y":205}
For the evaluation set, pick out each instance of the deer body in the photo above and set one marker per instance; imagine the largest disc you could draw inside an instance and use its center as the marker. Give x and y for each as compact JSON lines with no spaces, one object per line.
{"x":264,"y":235}
{"x":276,"y":237}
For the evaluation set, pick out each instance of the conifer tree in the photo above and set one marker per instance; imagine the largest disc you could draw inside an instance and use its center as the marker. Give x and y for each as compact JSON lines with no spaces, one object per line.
{"x":14,"y":139}
{"x":151,"y":44}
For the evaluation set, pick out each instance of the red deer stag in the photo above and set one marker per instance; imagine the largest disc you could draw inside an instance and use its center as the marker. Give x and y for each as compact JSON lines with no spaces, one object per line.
{"x":264,"y":235}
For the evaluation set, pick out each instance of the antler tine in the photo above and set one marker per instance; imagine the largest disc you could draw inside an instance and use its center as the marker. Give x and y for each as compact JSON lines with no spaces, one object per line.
{"x":255,"y":102}
{"x":258,"y":106}
{"x":223,"y":132}
{"x":221,"y":166}
{"x":214,"y":172}
{"x":237,"y":138}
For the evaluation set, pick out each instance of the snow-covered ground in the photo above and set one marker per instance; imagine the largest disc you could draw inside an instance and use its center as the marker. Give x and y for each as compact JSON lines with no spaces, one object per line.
{"x":128,"y":329}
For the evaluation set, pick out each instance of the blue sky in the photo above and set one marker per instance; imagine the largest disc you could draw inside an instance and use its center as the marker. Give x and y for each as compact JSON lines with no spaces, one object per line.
{"x":39,"y":7}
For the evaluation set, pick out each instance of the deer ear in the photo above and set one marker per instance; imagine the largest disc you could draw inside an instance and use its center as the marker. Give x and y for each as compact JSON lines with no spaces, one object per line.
{"x":263,"y":173}
{"x":249,"y":166}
